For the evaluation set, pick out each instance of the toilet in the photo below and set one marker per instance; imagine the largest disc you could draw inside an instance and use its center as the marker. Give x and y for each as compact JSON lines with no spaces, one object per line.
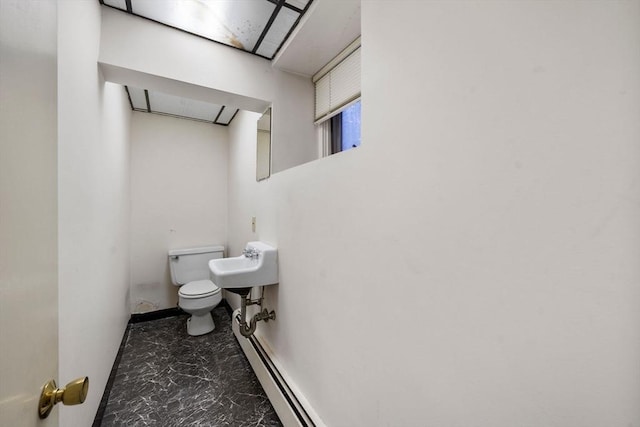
{"x":197,"y":294}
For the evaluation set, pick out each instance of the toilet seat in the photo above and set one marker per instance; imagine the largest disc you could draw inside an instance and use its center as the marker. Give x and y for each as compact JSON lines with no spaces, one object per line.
{"x":198,"y":289}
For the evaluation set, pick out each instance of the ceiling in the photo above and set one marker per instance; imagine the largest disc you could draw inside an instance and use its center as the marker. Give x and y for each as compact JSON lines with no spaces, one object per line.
{"x":299,"y":36}
{"x":259,"y":27}
{"x":325,"y":30}
{"x":149,"y":101}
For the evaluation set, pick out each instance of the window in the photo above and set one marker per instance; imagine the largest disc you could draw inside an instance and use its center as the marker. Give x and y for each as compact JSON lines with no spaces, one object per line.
{"x":337,"y":103}
{"x":340,"y":132}
{"x":345,"y":129}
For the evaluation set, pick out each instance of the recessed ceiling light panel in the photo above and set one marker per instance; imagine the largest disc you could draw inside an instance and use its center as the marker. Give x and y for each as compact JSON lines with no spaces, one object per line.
{"x":150,"y":101}
{"x":278,"y":32}
{"x":256,"y":26}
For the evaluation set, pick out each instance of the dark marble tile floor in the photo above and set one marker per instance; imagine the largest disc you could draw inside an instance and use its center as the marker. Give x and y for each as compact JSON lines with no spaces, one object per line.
{"x":168,"y":378}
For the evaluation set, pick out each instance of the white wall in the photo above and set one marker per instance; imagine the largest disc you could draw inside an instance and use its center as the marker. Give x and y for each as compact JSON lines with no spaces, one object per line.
{"x":152,"y":56}
{"x":475,"y":261}
{"x":28,"y":209}
{"x":178,"y":199}
{"x":93,"y":182}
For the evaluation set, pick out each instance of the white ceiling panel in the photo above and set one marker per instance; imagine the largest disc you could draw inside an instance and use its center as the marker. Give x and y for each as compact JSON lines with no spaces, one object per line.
{"x":226,"y":116}
{"x":278,"y":32}
{"x":120,"y":4}
{"x":138,"y":99}
{"x":259,"y":27}
{"x":169,"y":104}
{"x":162,"y":103}
{"x":300,"y":4}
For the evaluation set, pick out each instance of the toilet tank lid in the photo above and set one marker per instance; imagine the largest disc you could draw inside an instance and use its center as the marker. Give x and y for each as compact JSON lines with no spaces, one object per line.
{"x":198,"y":250}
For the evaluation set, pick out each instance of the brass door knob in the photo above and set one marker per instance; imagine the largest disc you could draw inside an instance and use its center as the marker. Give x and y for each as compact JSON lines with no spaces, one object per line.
{"x":73,"y":393}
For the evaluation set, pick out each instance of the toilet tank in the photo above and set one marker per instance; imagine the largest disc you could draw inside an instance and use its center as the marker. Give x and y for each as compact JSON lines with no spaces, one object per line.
{"x":191,"y":264}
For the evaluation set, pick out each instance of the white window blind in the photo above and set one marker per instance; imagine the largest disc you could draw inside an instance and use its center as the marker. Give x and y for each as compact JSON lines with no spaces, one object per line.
{"x":338,"y":87}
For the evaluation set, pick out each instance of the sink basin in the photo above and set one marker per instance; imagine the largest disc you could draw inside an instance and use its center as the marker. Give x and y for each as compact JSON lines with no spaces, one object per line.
{"x":257,"y":267}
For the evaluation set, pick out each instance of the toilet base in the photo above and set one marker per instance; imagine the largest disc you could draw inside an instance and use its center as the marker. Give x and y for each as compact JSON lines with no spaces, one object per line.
{"x":200,"y":324}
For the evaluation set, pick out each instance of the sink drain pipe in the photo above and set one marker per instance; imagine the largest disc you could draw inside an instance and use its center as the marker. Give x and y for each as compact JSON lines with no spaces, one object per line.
{"x":247,"y":329}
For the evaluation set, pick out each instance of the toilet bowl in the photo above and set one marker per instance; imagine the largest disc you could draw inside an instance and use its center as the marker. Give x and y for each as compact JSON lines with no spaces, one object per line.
{"x":197,"y":294}
{"x":198,"y":298}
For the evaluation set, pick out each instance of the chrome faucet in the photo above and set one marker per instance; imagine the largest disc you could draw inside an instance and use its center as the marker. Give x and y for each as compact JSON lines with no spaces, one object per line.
{"x":251,"y":253}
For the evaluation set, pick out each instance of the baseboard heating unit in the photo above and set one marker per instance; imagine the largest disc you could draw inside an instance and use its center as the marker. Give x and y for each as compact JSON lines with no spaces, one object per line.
{"x":291,"y":408}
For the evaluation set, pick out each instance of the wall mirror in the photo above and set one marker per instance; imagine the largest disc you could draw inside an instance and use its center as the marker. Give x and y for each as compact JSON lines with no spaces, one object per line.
{"x":263,"y":155}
